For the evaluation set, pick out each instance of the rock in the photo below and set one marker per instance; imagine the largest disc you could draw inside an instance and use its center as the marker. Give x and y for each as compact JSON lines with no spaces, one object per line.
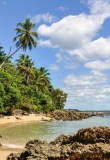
{"x":18,"y":118}
{"x":1,"y":116}
{"x":92,"y":135}
{"x":18,"y":112}
{"x":69,"y":115}
{"x":13,"y":156}
{"x":87,"y":144}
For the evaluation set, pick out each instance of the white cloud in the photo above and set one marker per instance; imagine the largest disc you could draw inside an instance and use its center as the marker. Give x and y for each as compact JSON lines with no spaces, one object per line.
{"x":87,"y":91}
{"x":43,"y":17}
{"x":71,"y":65}
{"x":86,"y":97}
{"x":97,"y":49}
{"x":106,"y":90}
{"x":99,"y":7}
{"x":101,"y":96}
{"x":54,"y":67}
{"x":98,"y":65}
{"x":59,"y":57}
{"x":75,"y":30}
{"x":61,"y":8}
{"x":72,"y":31}
{"x":46,"y":43}
{"x":76,"y":34}
{"x":68,"y":60}
{"x":93,"y":78}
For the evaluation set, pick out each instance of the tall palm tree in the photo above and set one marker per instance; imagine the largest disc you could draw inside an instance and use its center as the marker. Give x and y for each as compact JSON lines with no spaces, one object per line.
{"x":44,"y":72}
{"x":40,"y":81}
{"x":25,"y":37}
{"x":25,"y":67}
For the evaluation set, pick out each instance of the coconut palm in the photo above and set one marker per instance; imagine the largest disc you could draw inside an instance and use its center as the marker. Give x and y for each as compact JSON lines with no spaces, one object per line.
{"x":25,"y":37}
{"x":44,"y":72}
{"x":2,"y":54}
{"x":25,"y":67}
{"x":40,"y":81}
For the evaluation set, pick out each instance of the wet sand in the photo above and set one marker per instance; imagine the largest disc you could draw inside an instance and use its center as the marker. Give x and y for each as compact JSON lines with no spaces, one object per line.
{"x":4,"y":152}
{"x":6,"y":120}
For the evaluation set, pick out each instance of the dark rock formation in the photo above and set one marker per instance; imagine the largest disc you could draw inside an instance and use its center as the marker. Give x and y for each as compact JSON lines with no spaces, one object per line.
{"x":18,"y":112}
{"x":70,"y":115}
{"x":87,"y":144}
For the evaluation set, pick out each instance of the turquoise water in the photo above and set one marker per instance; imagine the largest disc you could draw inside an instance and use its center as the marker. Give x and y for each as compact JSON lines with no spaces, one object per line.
{"x":18,"y":135}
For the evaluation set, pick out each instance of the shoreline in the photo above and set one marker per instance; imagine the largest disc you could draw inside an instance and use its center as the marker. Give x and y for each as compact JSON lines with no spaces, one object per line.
{"x":88,"y":143}
{"x":5,"y":151}
{"x":16,"y":120}
{"x":23,"y":119}
{"x":6,"y":120}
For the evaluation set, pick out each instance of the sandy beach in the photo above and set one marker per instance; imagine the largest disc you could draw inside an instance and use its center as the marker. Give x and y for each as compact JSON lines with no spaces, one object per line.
{"x":4,"y":151}
{"x":23,"y":119}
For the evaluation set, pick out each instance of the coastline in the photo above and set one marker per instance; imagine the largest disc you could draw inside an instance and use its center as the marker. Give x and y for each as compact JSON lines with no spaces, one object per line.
{"x":5,"y":151}
{"x":23,"y":119}
{"x":88,"y":143}
{"x":6,"y":120}
{"x":16,"y":120}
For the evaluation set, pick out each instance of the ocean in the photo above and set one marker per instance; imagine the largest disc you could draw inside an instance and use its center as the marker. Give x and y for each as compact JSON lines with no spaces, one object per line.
{"x":16,"y":136}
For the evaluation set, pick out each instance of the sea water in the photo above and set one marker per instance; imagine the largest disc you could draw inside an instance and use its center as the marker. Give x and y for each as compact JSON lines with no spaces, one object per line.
{"x":16,"y":136}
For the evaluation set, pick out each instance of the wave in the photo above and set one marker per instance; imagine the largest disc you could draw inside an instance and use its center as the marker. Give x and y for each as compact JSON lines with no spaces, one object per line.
{"x":12,"y":146}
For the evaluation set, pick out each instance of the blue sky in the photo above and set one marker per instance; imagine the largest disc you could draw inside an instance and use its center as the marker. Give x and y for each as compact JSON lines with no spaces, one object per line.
{"x":74,"y":45}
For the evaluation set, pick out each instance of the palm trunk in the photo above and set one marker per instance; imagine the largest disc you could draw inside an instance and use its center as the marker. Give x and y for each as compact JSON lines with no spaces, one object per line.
{"x":27,"y":78}
{"x":9,"y":56}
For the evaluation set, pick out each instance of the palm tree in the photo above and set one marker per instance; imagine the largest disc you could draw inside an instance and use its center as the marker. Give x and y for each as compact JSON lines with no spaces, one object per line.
{"x":2,"y":54}
{"x":40,"y":81}
{"x":25,"y":67}
{"x":25,"y":37}
{"x":44,"y":72}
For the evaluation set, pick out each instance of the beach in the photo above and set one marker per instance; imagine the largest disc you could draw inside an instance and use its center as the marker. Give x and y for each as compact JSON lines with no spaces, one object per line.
{"x":18,"y":130}
{"x":4,"y":152}
{"x":23,"y":119}
{"x":6,"y":120}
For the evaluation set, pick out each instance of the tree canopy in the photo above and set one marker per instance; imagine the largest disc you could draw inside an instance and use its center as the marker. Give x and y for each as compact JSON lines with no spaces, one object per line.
{"x":25,"y":87}
{"x":22,"y":85}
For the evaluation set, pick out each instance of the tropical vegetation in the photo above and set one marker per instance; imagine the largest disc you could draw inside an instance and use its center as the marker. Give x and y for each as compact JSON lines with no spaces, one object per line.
{"x":22,"y":85}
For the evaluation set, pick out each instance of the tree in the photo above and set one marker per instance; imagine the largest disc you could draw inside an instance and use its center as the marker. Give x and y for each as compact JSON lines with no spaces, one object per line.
{"x":25,"y":67}
{"x":24,"y":39}
{"x":44,"y":71}
{"x":10,"y":95}
{"x":2,"y":55}
{"x":59,"y":98}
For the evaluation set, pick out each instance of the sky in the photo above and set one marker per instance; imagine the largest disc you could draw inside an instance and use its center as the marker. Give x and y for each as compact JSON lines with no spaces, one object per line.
{"x":73,"y":44}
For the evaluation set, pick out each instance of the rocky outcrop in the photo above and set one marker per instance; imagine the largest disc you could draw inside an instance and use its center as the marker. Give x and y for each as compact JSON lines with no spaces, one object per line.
{"x":87,"y":144}
{"x":18,"y":112}
{"x":70,"y":115}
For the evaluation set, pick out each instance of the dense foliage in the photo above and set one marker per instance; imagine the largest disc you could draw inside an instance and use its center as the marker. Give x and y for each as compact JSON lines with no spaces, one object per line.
{"x":23,"y":86}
